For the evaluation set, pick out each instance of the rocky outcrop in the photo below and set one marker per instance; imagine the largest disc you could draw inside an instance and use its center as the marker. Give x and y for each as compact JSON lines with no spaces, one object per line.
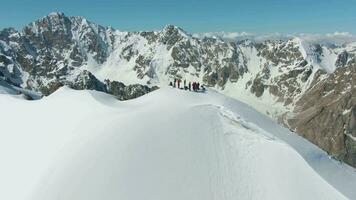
{"x":123,"y":92}
{"x":87,"y":81}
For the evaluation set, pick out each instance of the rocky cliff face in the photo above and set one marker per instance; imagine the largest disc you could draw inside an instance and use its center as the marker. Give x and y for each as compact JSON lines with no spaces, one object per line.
{"x":49,"y":52}
{"x":325,"y":114}
{"x":301,"y":84}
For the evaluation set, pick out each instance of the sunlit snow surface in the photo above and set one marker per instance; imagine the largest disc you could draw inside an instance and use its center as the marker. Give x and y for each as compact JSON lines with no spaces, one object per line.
{"x":169,"y":144}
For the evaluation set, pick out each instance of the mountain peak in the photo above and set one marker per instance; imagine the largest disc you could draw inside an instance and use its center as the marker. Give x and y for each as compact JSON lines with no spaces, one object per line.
{"x":56,"y":14}
{"x":53,"y":16}
{"x":169,"y":28}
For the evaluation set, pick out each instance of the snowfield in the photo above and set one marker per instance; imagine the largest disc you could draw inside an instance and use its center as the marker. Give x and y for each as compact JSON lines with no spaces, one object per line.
{"x":169,"y":144}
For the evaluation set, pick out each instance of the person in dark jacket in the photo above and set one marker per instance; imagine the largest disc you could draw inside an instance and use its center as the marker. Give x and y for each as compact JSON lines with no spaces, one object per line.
{"x":203,"y":88}
{"x":190,"y":86}
{"x":174,"y":82}
{"x":198,"y":86}
{"x":179,"y":83}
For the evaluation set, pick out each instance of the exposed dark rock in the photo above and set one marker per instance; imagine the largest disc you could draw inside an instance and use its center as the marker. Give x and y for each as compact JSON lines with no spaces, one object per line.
{"x":150,"y":36}
{"x":326,"y":114}
{"x":123,"y":92}
{"x":87,"y":81}
{"x":50,"y":88}
{"x":342,"y":59}
{"x":258,"y":87}
{"x":171,"y":35}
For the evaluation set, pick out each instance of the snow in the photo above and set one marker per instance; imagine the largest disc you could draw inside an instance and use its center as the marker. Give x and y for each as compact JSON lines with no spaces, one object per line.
{"x":267,"y":103}
{"x":328,"y":61}
{"x":116,"y":67}
{"x":346,"y":111}
{"x":168,"y":144}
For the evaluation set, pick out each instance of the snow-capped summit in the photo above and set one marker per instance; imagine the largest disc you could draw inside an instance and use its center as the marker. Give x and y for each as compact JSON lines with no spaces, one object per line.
{"x":170,"y":28}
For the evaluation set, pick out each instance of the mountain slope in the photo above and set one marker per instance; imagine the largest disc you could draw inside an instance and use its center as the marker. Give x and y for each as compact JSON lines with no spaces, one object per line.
{"x":277,"y":77}
{"x":187,"y":146}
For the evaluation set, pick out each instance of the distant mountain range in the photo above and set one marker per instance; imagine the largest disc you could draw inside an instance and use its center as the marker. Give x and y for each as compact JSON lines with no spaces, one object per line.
{"x":307,"y":85}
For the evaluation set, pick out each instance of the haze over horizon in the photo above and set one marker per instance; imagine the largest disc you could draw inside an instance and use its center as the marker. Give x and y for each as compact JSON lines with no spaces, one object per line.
{"x":195,"y":16}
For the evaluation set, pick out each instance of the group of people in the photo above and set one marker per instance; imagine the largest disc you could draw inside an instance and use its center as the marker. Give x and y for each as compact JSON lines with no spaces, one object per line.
{"x":191,"y":86}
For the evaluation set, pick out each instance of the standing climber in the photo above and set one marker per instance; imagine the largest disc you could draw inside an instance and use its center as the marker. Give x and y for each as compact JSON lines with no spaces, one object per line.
{"x":174,"y":82}
{"x":203,"y":88}
{"x":198,"y":88}
{"x":190,"y":86}
{"x":179,"y":83}
{"x":185,"y":84}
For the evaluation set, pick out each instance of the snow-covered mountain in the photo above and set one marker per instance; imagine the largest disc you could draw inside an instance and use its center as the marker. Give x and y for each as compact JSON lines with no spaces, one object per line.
{"x":168,"y":144}
{"x":304,"y":85}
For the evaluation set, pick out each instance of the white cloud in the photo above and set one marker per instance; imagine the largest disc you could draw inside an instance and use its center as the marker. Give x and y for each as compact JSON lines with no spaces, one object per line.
{"x":230,"y":36}
{"x":337,"y":38}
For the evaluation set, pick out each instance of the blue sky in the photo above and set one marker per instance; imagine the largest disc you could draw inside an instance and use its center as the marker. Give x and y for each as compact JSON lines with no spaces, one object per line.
{"x":268,"y":16}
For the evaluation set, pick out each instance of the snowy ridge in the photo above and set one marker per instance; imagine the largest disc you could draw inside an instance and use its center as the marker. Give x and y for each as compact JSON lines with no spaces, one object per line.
{"x":205,"y":146}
